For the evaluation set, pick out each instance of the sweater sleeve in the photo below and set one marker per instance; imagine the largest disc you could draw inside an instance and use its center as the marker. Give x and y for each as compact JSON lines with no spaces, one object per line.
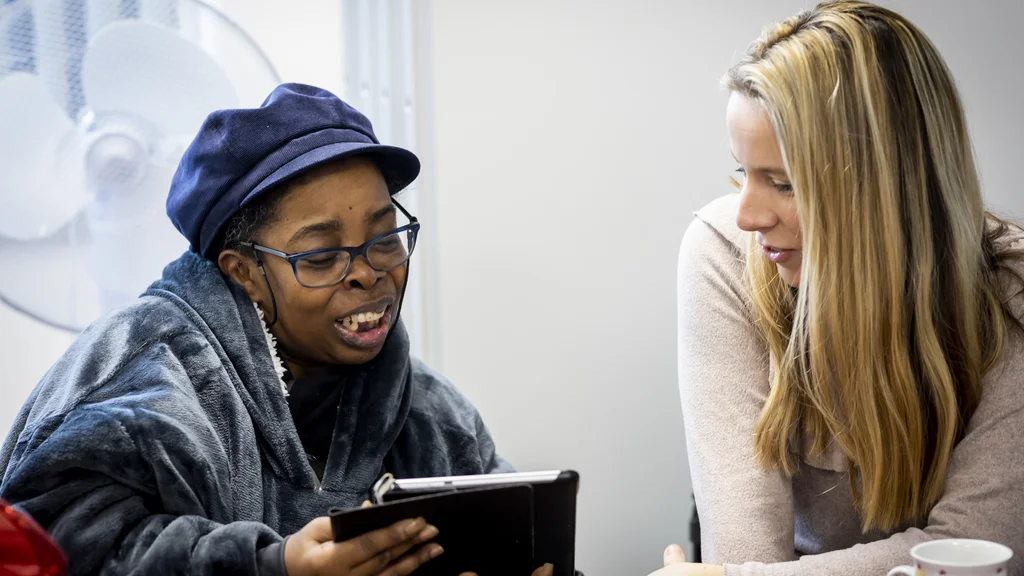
{"x":746,"y":513}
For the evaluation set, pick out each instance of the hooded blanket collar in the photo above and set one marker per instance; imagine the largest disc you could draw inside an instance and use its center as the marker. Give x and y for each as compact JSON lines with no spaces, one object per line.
{"x":374,"y":405}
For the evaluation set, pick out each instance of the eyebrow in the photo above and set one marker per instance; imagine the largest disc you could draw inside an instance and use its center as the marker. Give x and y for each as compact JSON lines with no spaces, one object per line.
{"x":375,"y":217}
{"x":316,"y":228}
{"x":331,"y":226}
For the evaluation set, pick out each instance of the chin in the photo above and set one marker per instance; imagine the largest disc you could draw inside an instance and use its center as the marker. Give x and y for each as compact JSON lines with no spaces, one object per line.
{"x":358,"y":346}
{"x":355,"y":356}
{"x":790,"y":277}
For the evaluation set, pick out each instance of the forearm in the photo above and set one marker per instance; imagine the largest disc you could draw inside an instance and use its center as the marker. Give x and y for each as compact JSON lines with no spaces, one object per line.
{"x":860,"y":560}
{"x":746,"y":513}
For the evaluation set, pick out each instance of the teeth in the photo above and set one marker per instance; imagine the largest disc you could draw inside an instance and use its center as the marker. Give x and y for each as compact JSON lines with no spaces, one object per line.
{"x":352,"y":322}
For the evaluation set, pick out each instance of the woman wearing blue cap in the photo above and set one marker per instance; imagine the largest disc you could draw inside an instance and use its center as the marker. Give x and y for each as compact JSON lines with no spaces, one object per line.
{"x":264,"y":379}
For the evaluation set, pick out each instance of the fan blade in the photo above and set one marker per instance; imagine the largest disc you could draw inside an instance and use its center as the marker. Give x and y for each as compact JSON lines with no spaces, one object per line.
{"x":41,"y":161}
{"x":47,"y":280}
{"x":131,"y":238}
{"x":150,"y":71}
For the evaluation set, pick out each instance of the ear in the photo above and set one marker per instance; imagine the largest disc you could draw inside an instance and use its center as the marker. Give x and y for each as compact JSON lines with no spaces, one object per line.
{"x":244,"y":271}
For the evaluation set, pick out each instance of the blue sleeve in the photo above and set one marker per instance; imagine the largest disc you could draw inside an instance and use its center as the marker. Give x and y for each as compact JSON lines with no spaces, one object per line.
{"x":127,"y":489}
{"x":444,"y":434}
{"x":271,"y":560}
{"x":493,"y":462}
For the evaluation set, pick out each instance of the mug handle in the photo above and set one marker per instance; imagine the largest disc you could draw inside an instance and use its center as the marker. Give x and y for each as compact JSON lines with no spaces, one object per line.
{"x":904,"y":570}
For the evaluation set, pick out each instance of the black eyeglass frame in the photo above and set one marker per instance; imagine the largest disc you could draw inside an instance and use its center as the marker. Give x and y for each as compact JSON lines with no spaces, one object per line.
{"x":413,"y":228}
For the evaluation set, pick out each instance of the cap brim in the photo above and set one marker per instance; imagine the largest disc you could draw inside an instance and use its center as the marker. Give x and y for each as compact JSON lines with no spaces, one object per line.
{"x":398,"y":165}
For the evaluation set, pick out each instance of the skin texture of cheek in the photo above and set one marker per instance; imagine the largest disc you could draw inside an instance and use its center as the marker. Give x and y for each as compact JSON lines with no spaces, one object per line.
{"x":767,"y":205}
{"x":789,"y":222}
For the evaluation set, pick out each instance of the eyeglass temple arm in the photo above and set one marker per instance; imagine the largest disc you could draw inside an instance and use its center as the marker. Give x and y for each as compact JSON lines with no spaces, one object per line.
{"x":259,"y":263}
{"x":404,"y":211}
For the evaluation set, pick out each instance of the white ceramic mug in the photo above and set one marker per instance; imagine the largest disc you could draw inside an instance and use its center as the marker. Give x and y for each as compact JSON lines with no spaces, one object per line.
{"x":957,"y":557}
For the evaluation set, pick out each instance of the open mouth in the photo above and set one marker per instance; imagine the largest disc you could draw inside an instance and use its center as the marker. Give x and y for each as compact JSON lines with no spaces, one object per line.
{"x":362,"y":322}
{"x":776,"y":255}
{"x":365,"y":329}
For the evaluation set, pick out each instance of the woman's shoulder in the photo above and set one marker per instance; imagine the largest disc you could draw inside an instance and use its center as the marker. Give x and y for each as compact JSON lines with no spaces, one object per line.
{"x":719,"y":217}
{"x":124,"y":377}
{"x":1008,"y":245}
{"x":714,"y":250}
{"x":119,"y":349}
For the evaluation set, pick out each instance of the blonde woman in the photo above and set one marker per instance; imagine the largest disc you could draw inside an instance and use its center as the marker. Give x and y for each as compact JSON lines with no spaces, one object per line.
{"x":851,"y":360}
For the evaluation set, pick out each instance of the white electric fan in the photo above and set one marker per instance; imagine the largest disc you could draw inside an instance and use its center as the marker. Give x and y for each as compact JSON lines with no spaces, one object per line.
{"x":98,"y":100}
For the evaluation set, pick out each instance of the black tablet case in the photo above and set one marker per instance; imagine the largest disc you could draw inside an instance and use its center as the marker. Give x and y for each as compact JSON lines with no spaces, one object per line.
{"x":484,"y":530}
{"x":554,"y":520}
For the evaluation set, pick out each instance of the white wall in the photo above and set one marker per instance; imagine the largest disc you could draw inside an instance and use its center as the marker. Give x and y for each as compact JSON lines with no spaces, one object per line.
{"x":574,"y":139}
{"x":302,"y":38}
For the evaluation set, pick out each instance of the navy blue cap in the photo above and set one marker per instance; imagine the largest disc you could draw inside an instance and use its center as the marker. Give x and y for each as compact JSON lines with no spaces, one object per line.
{"x":241,"y":153}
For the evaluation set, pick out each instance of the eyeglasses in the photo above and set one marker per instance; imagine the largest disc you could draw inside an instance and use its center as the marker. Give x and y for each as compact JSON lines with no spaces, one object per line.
{"x":329,"y":266}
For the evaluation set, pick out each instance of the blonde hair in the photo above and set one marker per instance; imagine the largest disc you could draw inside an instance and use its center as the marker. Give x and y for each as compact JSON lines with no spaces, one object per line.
{"x":897,"y":317}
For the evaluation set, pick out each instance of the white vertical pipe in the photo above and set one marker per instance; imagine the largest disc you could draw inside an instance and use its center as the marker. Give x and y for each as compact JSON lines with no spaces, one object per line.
{"x":379,"y":80}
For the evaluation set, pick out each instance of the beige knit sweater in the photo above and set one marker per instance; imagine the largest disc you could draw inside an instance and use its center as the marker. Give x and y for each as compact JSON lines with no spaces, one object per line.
{"x":757,"y":522}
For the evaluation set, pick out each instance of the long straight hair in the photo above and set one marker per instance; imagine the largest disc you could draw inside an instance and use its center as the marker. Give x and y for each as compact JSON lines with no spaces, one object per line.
{"x":897,"y":317}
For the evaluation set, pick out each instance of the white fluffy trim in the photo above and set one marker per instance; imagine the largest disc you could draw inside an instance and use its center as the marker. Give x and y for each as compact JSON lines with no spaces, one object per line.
{"x":272,"y":345}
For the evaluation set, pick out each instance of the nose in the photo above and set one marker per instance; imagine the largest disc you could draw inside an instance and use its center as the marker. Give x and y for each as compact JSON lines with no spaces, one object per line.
{"x":361,"y":275}
{"x":756,"y":213}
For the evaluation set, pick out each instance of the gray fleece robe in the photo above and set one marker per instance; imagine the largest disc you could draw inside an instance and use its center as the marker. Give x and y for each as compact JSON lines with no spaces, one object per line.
{"x":162,"y":443}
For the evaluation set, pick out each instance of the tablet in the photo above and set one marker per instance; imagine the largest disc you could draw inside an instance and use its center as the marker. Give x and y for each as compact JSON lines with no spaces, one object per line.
{"x":486,"y":530}
{"x":390,"y":488}
{"x":554,"y":506}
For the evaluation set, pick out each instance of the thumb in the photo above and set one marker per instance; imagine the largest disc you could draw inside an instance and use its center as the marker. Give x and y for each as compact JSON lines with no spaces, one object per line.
{"x":318,"y":530}
{"x":674,"y":555}
{"x":545,"y":570}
